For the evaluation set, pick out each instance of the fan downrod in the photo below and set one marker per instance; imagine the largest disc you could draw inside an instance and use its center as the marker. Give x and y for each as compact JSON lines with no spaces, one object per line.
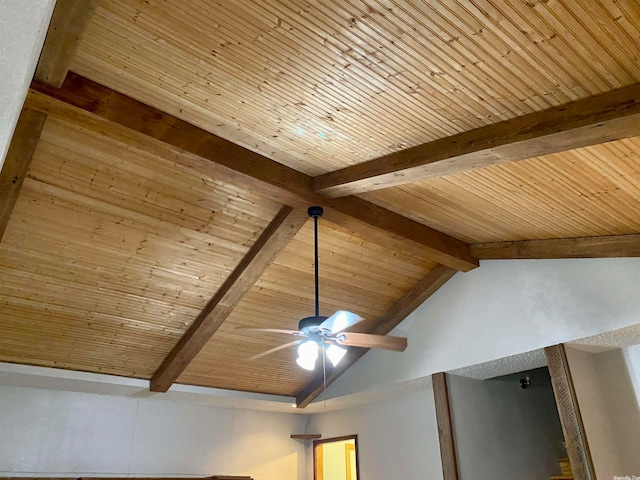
{"x":316,"y":212}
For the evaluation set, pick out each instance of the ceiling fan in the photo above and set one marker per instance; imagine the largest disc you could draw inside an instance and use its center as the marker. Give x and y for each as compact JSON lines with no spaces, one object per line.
{"x":327,"y":334}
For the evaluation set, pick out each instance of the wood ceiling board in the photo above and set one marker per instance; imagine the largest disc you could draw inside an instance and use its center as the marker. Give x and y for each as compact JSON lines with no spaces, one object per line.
{"x":286,"y":286}
{"x":84,"y":296}
{"x":358,"y":72}
{"x":104,"y":273}
{"x":94,"y":151}
{"x":99,"y":109}
{"x":347,"y":259}
{"x":77,"y":234}
{"x":228,"y":367}
{"x":35,"y":333}
{"x":153,"y":195}
{"x":285,"y":294}
{"x":592,"y":191}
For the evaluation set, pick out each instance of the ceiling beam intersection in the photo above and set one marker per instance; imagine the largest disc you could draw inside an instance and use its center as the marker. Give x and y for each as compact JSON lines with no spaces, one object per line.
{"x":141,"y":126}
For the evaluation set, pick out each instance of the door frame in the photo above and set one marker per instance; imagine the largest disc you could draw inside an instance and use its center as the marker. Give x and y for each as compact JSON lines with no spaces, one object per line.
{"x":566,"y":403}
{"x":317,"y":454}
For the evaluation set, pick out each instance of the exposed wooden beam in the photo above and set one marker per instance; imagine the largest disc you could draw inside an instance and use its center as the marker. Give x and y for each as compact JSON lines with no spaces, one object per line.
{"x":16,"y":164}
{"x":271,"y":242}
{"x":582,"y":247}
{"x":444,"y":419}
{"x":103,"y":110}
{"x":602,"y":118}
{"x":569,"y":411}
{"x":69,"y":20}
{"x":418,"y":294}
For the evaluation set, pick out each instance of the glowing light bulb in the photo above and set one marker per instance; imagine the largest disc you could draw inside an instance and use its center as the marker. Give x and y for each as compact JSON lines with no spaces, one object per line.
{"x":307,"y":355}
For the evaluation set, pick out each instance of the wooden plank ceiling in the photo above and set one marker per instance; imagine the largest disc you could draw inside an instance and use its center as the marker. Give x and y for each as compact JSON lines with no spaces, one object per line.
{"x":186,"y":128}
{"x":111,"y":253}
{"x":589,"y":191}
{"x":358,"y":79}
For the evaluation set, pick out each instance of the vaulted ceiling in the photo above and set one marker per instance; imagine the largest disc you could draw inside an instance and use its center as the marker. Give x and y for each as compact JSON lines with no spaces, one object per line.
{"x":155,"y":191}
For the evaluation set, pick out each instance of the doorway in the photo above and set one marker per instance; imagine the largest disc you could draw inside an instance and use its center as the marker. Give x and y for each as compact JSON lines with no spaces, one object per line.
{"x":336,"y":458}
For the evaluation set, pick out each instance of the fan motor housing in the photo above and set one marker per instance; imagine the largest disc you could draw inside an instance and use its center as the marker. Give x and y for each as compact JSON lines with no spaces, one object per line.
{"x":311,"y":322}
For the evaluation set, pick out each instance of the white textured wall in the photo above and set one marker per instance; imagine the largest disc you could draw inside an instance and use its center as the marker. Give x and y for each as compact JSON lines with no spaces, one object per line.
{"x":609,"y":410}
{"x":595,"y":415}
{"x":622,"y":405}
{"x":503,"y":431}
{"x":632,"y":356}
{"x":23,"y":26}
{"x":397,"y":439}
{"x":504,"y":308}
{"x":48,"y":432}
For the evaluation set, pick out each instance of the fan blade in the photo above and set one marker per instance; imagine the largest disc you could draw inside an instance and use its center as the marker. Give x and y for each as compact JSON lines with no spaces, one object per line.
{"x":272,"y":330}
{"x":367,"y":340}
{"x":340,"y":321}
{"x":273,"y":350}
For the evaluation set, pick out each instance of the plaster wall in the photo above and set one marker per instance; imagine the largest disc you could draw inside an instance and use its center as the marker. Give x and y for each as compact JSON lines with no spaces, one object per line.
{"x":609,"y":410}
{"x":503,"y":431}
{"x":397,"y":438}
{"x":501,"y":309}
{"x":56,"y":433}
{"x":632,"y":357}
{"x":617,"y":388}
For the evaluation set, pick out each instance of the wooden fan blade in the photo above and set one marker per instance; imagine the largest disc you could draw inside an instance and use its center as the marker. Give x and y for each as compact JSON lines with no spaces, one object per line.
{"x":341,"y":320}
{"x":273,"y":350}
{"x":368,"y":340}
{"x":272,"y":330}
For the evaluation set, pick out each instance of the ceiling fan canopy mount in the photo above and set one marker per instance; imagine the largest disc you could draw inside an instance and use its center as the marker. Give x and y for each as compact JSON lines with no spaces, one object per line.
{"x":310,"y":322}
